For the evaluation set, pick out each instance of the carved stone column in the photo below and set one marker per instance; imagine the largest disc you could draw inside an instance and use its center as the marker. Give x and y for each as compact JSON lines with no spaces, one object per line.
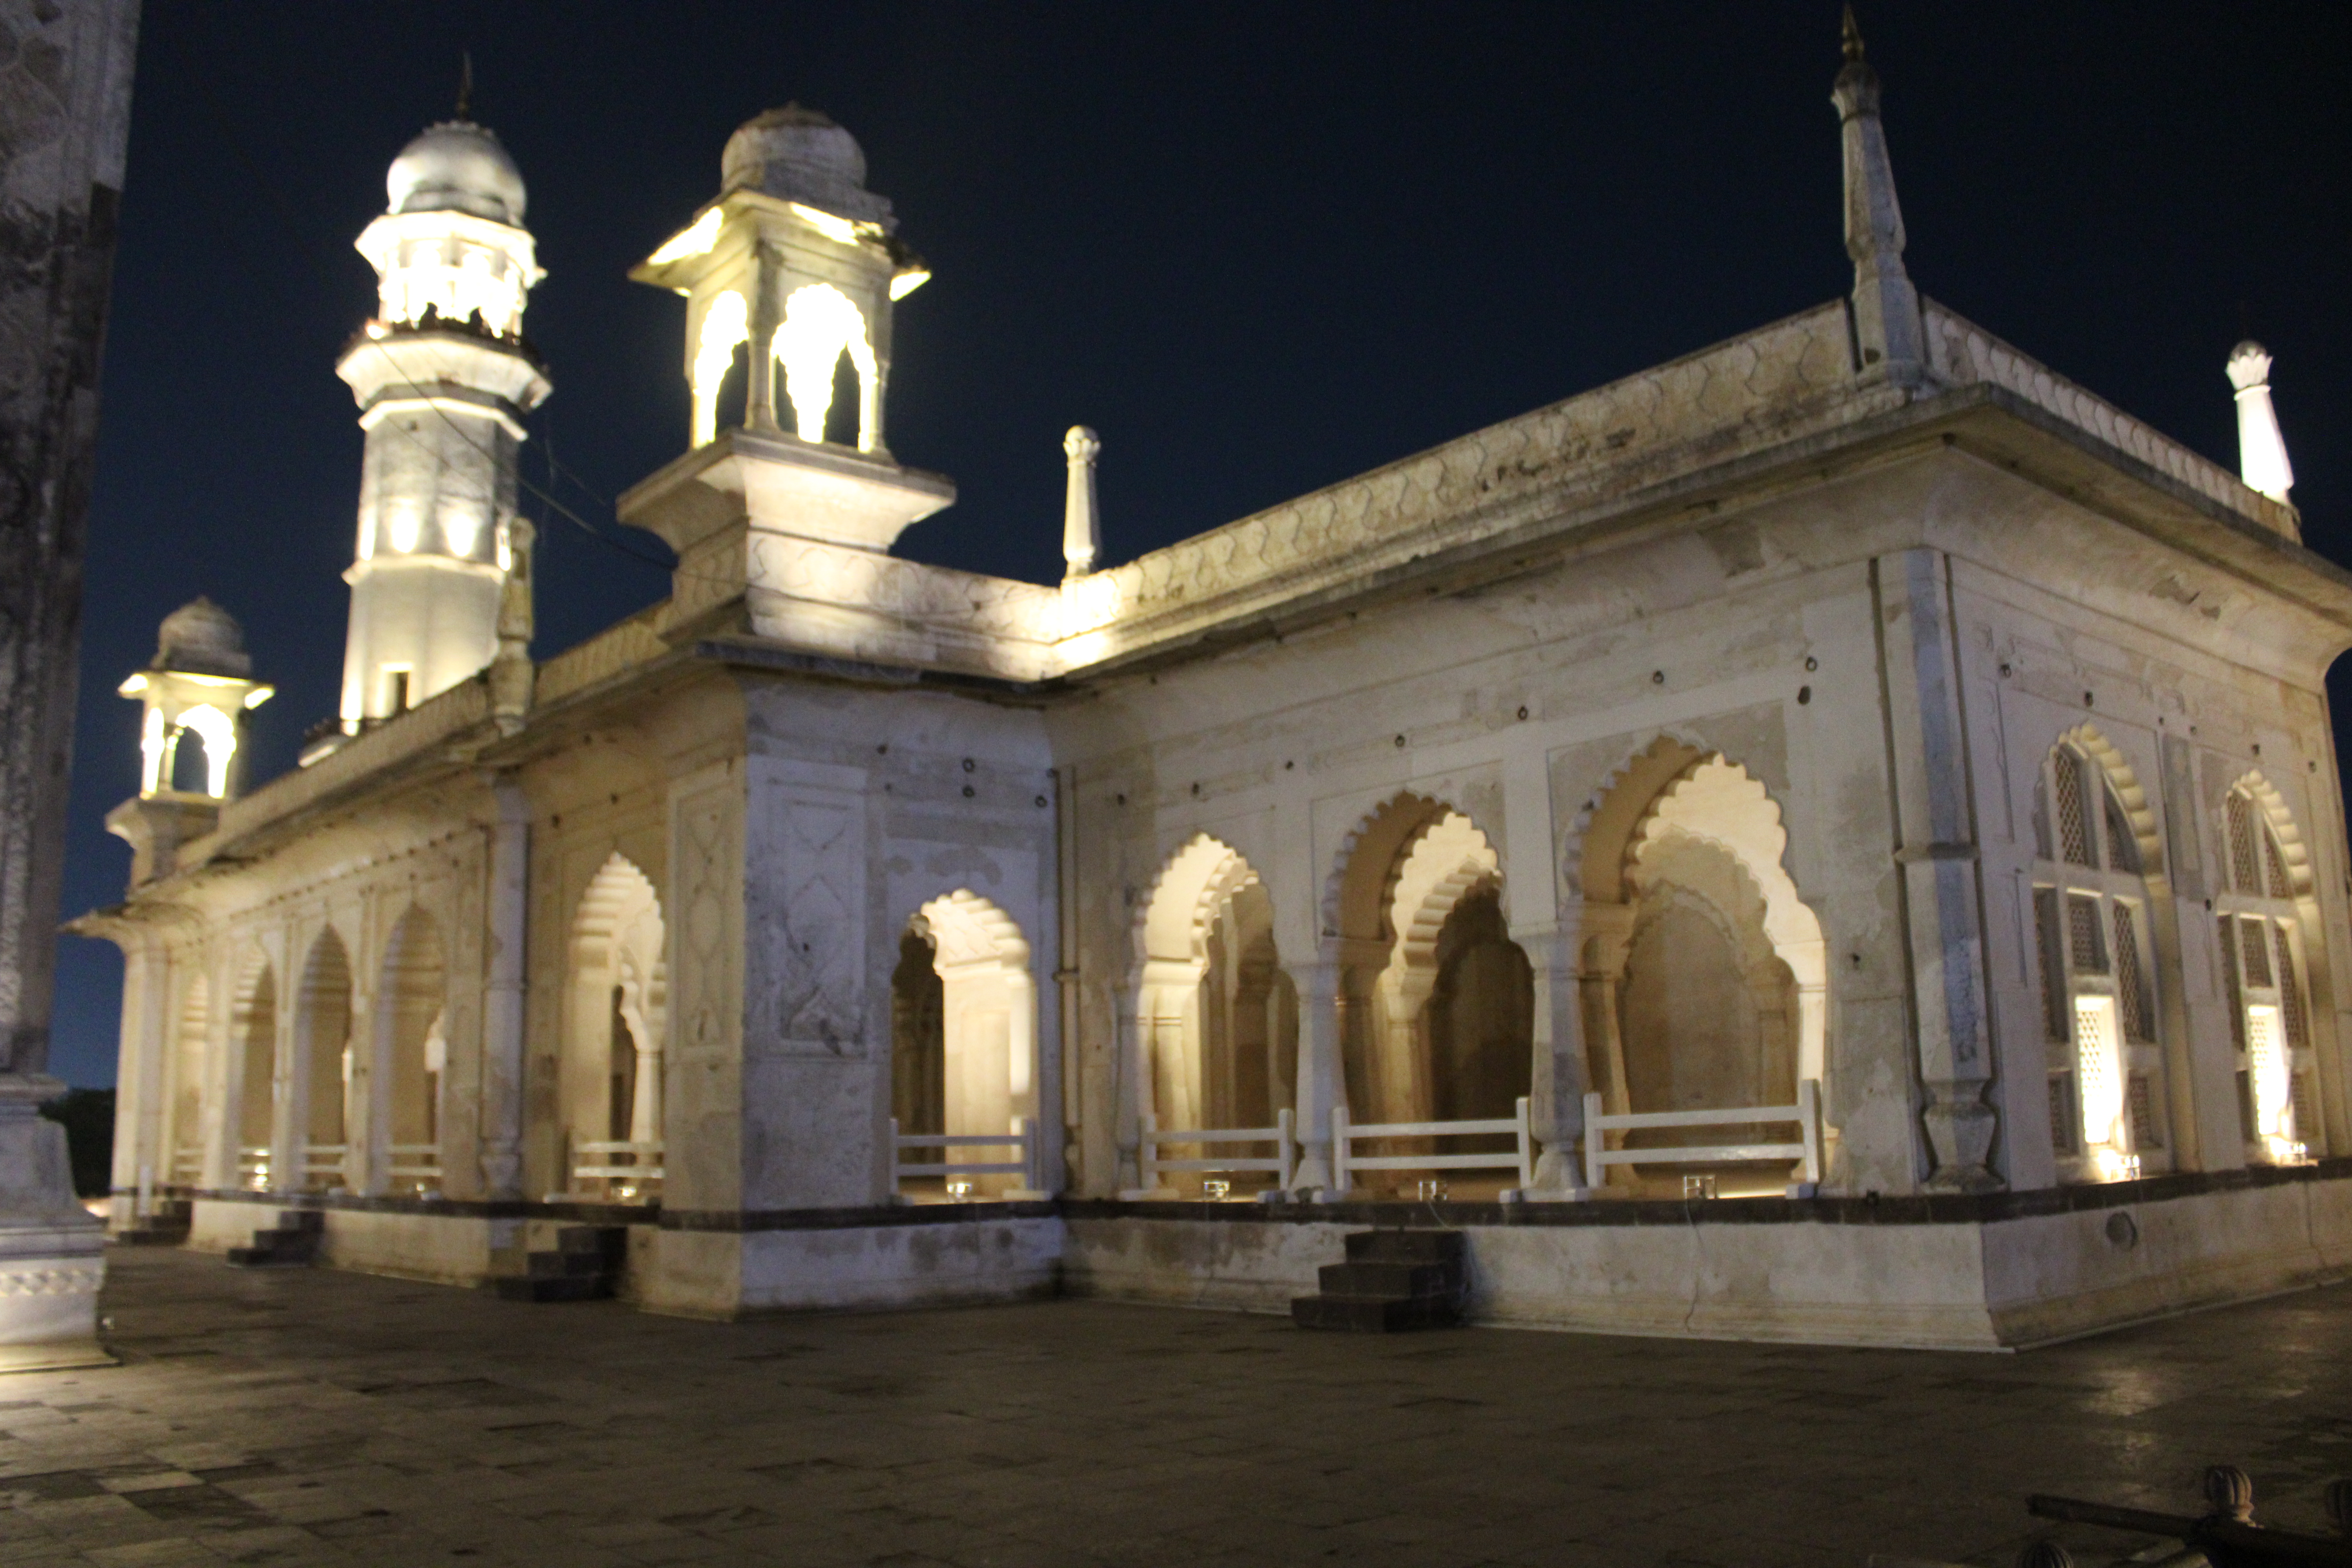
{"x":69,"y":92}
{"x":1557,"y":1076}
{"x":509,"y":905}
{"x":1322,"y":1084}
{"x":1937,"y":863}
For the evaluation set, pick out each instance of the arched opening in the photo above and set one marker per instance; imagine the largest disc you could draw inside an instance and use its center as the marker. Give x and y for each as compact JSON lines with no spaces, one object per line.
{"x":980,"y":1028}
{"x":611,"y":1071}
{"x":2264,"y":907}
{"x":411,"y":1052}
{"x":841,"y":413}
{"x":189,"y":771}
{"x":919,"y":1040}
{"x":2095,"y":936}
{"x":821,"y":326}
{"x":186,"y":1140}
{"x":1437,"y":1002}
{"x":322,"y":1036}
{"x":1704,"y":976}
{"x":1218,"y":1014}
{"x":253,"y":1035}
{"x":721,"y":356}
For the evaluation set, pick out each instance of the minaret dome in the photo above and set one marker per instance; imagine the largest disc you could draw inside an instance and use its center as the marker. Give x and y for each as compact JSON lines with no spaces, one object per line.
{"x":456,"y":166}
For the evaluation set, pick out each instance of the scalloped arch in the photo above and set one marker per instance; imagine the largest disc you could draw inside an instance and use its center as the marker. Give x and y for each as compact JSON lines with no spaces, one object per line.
{"x":2280,"y":816}
{"x":1363,"y":872}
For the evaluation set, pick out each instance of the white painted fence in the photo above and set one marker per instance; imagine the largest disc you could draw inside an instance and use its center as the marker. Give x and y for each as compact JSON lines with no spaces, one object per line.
{"x":1345,"y":1161}
{"x":1019,"y":1140}
{"x":1806,"y":1114}
{"x":619,"y":1165}
{"x":1282,"y":1162}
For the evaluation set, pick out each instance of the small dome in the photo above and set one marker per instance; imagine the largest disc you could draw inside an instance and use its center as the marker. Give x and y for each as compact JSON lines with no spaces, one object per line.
{"x":201,"y":637}
{"x":799,"y":154}
{"x":456,"y":166}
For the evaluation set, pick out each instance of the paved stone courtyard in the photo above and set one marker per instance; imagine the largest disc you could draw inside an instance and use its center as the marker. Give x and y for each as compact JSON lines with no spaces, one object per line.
{"x":306,"y":1416}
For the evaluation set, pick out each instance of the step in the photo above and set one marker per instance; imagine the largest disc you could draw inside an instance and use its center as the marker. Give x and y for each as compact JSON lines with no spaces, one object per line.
{"x":1406,"y":1247}
{"x":268,"y":1257}
{"x":1373,"y":1314}
{"x":151,"y":1235}
{"x":1394,"y":1279}
{"x":563,"y":1266}
{"x":609,"y":1244}
{"x":557,"y":1287}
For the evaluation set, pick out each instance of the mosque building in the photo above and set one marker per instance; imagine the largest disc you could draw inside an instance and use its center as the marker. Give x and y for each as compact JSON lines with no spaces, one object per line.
{"x":1834,"y":838}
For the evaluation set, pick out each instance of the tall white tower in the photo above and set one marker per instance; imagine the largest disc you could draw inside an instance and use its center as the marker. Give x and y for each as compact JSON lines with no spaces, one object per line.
{"x":442,"y":379}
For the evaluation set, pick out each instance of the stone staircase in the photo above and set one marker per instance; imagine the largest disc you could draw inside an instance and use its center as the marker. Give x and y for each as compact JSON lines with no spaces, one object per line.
{"x":291,"y":1243}
{"x":586,"y":1266}
{"x":1393,"y":1280}
{"x":166,"y":1224}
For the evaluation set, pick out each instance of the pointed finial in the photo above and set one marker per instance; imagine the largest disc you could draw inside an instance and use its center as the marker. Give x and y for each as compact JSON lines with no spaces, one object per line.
{"x":466,"y":81}
{"x":1889,"y":337}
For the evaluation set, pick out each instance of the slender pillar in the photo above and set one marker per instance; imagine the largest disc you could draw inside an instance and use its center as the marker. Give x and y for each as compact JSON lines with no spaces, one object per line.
{"x":1937,"y":863}
{"x":502,"y":1014}
{"x":1322,"y":1080}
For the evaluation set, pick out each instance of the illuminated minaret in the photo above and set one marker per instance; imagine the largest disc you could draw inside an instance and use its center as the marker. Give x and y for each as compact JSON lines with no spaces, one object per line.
{"x":442,"y":379}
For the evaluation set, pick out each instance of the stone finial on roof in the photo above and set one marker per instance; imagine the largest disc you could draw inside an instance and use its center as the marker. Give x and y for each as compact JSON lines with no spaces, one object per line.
{"x":2262,"y":448}
{"x":1081,"y":525}
{"x":1889,"y":342}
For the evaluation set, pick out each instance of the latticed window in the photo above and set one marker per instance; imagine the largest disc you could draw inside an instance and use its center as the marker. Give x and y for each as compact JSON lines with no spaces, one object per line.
{"x":2259,"y":920}
{"x":2073,"y":821}
{"x":2241,"y":814}
{"x":2099,"y":984}
{"x":2131,"y":988}
{"x":2083,"y":935}
{"x":2147,"y":1132}
{"x":2123,"y":843}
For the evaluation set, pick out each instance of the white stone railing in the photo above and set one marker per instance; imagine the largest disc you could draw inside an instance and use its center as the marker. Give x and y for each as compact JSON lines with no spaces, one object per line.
{"x":1021,"y":1140}
{"x":323,"y":1161}
{"x":626,"y":1169}
{"x":1961,"y":354}
{"x":419,"y":1163}
{"x":1149,"y":1139}
{"x":253,"y":1167}
{"x":1806,"y":1114}
{"x":1345,"y":1161}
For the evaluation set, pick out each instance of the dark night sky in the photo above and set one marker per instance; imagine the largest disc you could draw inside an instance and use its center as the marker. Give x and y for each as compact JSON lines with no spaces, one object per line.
{"x":1259,"y":247}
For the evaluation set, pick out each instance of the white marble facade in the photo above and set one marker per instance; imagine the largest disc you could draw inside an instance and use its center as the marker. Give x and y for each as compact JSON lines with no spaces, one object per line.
{"x":1855,"y":703}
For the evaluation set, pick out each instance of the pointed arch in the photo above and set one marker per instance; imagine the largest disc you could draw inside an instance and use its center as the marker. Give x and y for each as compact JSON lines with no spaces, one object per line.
{"x":2275,"y":973}
{"x":1217,"y":1015}
{"x":190,"y":1048}
{"x":1705,"y":973}
{"x":2097,"y":877}
{"x":410,"y":1050}
{"x":985,"y":1015}
{"x":616,"y":1030}
{"x":253,"y":1044}
{"x":322,"y":1034}
{"x":1436,"y":1002}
